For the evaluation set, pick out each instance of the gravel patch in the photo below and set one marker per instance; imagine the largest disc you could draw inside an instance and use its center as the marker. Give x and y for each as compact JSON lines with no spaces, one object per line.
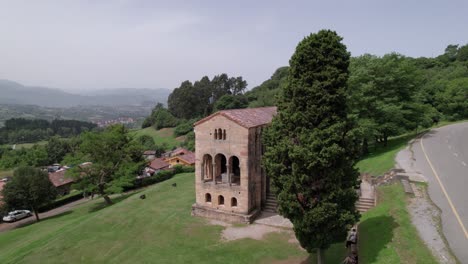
{"x":425,"y":216}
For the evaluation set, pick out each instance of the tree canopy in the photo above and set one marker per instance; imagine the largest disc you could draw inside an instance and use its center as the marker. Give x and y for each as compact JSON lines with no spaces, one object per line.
{"x":311,"y":144}
{"x":29,"y":188}
{"x":112,"y":159}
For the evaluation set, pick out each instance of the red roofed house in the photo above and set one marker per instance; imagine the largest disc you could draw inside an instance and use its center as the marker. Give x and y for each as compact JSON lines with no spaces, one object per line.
{"x":149,"y":154}
{"x":61,"y":182}
{"x":156,"y":166}
{"x":230,"y":182}
{"x":180,"y":156}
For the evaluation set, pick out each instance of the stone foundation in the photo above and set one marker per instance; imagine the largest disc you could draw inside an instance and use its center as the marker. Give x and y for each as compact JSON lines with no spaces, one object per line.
{"x":231,"y":217}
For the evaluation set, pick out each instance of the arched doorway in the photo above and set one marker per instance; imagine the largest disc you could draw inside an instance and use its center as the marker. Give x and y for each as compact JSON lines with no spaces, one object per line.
{"x":234,"y":165}
{"x":221,"y":168}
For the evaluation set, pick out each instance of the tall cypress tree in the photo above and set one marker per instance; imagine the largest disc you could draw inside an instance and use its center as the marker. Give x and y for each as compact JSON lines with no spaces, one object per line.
{"x":311,"y":146}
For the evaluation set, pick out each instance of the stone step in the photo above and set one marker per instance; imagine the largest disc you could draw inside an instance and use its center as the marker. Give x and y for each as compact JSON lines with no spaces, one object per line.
{"x":366,"y":199}
{"x":407,"y":186}
{"x":371,"y":203}
{"x":270,"y":210}
{"x":271,"y":202}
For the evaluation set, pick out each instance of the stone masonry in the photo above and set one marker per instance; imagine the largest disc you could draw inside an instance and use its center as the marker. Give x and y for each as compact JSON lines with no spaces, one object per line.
{"x":230,"y":183}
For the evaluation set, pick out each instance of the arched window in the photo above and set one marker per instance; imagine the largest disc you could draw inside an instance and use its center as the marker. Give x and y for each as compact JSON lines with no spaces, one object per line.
{"x":216,"y":134}
{"x":221,"y":200}
{"x":233,"y":202}
{"x":224,"y":134}
{"x":220,"y":134}
{"x":208,"y":198}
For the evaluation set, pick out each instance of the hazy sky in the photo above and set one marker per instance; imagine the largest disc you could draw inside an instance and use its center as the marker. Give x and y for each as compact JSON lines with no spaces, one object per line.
{"x":82,"y":45}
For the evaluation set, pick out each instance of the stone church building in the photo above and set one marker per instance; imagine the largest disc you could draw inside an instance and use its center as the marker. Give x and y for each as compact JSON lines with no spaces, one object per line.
{"x":230,"y":183}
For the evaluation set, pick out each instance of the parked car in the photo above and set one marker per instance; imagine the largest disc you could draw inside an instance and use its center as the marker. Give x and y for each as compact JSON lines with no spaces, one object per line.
{"x":16,"y":215}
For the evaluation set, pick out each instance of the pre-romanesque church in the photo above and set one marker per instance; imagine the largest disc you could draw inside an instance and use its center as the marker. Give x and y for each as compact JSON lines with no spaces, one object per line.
{"x":230,"y":182}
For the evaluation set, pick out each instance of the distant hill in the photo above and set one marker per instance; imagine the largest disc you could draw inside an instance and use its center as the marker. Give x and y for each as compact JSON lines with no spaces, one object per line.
{"x":15,"y":93}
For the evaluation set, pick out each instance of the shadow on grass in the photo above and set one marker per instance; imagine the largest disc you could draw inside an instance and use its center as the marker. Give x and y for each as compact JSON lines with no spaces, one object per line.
{"x":32,"y":219}
{"x":115,"y":200}
{"x":374,"y":235}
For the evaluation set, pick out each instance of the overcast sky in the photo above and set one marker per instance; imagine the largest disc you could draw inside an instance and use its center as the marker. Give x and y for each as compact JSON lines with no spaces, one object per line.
{"x":98,"y":44}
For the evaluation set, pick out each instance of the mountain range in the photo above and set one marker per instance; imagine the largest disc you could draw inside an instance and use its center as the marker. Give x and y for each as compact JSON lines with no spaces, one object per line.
{"x":16,"y":93}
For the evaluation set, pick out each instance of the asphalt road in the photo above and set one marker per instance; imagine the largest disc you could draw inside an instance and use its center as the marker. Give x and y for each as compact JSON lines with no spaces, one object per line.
{"x":442,"y":157}
{"x":32,"y":219}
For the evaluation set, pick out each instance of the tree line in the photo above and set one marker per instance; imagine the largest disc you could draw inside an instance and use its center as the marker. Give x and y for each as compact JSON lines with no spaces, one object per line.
{"x":22,"y":130}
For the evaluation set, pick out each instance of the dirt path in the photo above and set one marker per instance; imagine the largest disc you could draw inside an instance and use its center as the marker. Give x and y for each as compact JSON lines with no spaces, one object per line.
{"x":32,"y":219}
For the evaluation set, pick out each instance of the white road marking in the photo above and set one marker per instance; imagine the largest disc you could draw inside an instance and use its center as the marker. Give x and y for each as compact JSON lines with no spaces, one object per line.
{"x":454,"y":210}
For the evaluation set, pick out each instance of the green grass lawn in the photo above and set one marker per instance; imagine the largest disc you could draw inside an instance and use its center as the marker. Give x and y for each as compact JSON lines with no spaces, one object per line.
{"x":386,"y":234}
{"x":165,"y":135}
{"x":4,"y":173}
{"x":26,"y":145}
{"x":382,"y":159}
{"x":158,"y":229}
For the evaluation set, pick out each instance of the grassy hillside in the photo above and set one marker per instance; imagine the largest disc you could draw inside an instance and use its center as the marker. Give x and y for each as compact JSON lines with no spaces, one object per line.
{"x":165,"y":135}
{"x":387,"y":234}
{"x":158,"y":229}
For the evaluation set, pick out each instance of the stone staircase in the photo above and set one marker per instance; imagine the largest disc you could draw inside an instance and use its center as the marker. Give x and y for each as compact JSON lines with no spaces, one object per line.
{"x":271,"y":204}
{"x":364,"y":204}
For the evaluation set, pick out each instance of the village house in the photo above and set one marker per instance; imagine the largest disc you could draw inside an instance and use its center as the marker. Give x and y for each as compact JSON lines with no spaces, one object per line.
{"x":149,"y":154}
{"x":230,"y":182}
{"x":61,"y":182}
{"x":179,"y":156}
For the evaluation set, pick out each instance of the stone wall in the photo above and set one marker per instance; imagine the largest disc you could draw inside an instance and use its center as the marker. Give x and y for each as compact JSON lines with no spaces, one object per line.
{"x":236,"y":144}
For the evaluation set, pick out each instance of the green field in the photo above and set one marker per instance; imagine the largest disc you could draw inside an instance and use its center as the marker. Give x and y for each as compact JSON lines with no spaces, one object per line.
{"x":26,"y":145}
{"x":165,"y":135}
{"x":158,"y":229}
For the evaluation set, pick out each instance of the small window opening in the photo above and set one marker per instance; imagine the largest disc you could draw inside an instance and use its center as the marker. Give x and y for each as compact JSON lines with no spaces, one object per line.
{"x":220,"y":200}
{"x":233,"y":202}
{"x":208,"y":198}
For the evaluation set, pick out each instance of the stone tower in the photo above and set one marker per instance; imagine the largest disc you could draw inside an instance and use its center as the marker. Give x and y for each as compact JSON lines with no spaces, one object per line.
{"x":230,"y":183}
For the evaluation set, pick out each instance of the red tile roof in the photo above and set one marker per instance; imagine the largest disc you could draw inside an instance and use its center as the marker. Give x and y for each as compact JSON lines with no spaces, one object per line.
{"x":188,"y":157}
{"x":158,"y":164}
{"x":248,"y":117}
{"x":179,"y":151}
{"x":58,"y":178}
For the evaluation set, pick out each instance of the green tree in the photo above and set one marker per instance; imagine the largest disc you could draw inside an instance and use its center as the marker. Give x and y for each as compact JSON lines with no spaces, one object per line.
{"x":115,"y":159}
{"x":56,"y":149}
{"x":147,"y":142}
{"x":229,"y":101}
{"x":29,"y":188}
{"x":311,"y":146}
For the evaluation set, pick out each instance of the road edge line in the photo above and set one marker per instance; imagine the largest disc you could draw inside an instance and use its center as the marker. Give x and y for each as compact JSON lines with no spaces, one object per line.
{"x":443,"y":190}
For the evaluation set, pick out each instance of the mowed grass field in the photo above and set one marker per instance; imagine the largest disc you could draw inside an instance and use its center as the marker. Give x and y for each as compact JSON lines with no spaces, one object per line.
{"x":158,"y":229}
{"x":165,"y":135}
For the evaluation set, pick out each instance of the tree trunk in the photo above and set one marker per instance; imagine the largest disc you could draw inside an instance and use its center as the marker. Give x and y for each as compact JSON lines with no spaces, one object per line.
{"x":36,"y":214}
{"x":104,"y":195}
{"x":320,"y":256}
{"x":385,"y":140}
{"x":107,"y":199}
{"x":365,"y":147}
